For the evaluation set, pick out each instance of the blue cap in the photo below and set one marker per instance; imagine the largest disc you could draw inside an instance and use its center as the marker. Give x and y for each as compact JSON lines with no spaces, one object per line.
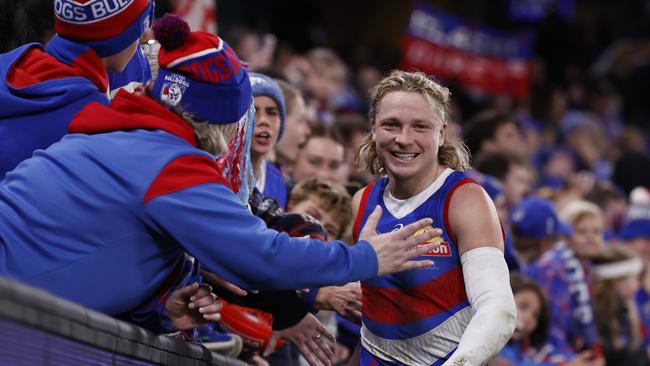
{"x":535,"y":218}
{"x":636,"y":229}
{"x":637,"y":223}
{"x":265,"y":86}
{"x":564,"y":228}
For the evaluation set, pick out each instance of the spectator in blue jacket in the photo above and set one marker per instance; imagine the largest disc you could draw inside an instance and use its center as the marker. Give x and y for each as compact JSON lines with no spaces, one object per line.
{"x":270,"y":115}
{"x":42,"y":88}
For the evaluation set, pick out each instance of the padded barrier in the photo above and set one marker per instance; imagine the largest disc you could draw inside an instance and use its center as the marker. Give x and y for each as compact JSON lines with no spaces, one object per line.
{"x":38,"y":328}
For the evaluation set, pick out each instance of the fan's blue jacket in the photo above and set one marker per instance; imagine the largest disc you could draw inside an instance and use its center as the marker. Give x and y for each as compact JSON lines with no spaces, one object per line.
{"x":275,"y":186}
{"x":41,"y":89}
{"x":102,"y":216}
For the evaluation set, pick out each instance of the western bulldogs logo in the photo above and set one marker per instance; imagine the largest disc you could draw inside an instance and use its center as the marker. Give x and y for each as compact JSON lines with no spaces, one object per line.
{"x":442,"y":250}
{"x":172,"y":93}
{"x":172,"y":90}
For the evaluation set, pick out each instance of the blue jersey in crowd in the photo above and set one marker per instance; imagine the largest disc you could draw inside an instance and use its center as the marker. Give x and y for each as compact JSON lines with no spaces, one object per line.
{"x":416,"y":316}
{"x":271,"y":183}
{"x":104,"y":215}
{"x":562,"y":276}
{"x":40,"y":91}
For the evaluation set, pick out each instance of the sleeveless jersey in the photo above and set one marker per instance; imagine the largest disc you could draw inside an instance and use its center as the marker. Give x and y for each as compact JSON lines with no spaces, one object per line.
{"x":415,"y":317}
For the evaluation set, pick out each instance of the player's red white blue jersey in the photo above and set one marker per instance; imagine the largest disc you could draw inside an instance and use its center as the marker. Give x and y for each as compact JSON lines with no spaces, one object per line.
{"x":415,"y":317}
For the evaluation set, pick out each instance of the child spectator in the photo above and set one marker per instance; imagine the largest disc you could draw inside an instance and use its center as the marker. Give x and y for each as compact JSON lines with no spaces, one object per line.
{"x":616,"y":281}
{"x":326,"y":201}
{"x":528,"y":346}
{"x":330,"y":204}
{"x":269,"y":127}
{"x":533,"y":318}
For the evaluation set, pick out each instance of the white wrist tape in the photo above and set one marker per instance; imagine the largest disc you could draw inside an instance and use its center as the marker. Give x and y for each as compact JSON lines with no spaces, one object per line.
{"x":487,"y":283}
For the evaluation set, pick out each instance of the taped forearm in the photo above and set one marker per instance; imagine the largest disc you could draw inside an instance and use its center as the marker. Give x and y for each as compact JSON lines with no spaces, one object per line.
{"x":487,"y":283}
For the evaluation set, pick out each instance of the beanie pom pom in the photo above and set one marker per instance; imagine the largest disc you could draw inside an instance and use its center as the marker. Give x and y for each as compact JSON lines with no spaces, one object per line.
{"x":171,"y":31}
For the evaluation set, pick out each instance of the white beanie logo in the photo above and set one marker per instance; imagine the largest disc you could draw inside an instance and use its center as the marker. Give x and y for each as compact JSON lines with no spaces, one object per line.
{"x":172,"y":90}
{"x":89,"y":12}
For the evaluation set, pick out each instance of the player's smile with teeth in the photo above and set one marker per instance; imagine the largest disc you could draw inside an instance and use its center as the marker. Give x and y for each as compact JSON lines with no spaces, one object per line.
{"x":404,"y":156}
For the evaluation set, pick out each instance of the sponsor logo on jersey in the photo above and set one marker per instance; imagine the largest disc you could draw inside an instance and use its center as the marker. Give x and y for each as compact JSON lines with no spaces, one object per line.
{"x":442,"y":250}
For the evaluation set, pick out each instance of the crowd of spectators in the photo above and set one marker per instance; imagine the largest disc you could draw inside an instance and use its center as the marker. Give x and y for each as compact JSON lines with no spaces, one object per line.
{"x":568,"y":169}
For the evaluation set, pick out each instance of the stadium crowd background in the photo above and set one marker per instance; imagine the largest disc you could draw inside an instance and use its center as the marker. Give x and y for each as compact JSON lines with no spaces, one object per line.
{"x":573,"y":151}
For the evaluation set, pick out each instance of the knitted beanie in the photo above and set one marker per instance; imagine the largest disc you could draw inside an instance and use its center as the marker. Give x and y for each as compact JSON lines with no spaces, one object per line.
{"x":106,"y":26}
{"x":265,"y":86}
{"x":201,"y":73}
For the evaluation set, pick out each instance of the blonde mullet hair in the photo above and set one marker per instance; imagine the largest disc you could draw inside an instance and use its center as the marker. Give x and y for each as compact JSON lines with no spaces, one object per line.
{"x":452,"y":153}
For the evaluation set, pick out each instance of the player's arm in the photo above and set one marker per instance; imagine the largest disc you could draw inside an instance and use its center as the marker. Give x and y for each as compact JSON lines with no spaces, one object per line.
{"x":474,"y":221}
{"x":214,"y":227}
{"x":356,"y":202}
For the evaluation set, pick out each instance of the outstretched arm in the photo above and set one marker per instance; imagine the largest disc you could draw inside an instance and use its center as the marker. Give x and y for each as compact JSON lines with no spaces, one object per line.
{"x":486,"y":276}
{"x":210,"y":223}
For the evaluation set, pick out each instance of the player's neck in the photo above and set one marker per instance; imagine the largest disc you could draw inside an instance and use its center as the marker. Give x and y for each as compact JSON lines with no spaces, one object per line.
{"x":404,"y":188}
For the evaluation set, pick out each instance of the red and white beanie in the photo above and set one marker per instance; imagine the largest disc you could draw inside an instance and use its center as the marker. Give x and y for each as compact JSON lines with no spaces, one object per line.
{"x":203,"y":76}
{"x":200,"y":73}
{"x":106,"y":26}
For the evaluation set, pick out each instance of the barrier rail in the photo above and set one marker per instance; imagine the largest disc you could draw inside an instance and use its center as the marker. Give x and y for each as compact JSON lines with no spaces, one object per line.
{"x":38,"y":328}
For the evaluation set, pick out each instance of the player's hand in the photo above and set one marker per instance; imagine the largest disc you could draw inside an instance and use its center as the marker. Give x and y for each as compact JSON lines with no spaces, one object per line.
{"x":396,"y":249}
{"x":310,"y":336}
{"x":345,"y":300}
{"x":193,"y":306}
